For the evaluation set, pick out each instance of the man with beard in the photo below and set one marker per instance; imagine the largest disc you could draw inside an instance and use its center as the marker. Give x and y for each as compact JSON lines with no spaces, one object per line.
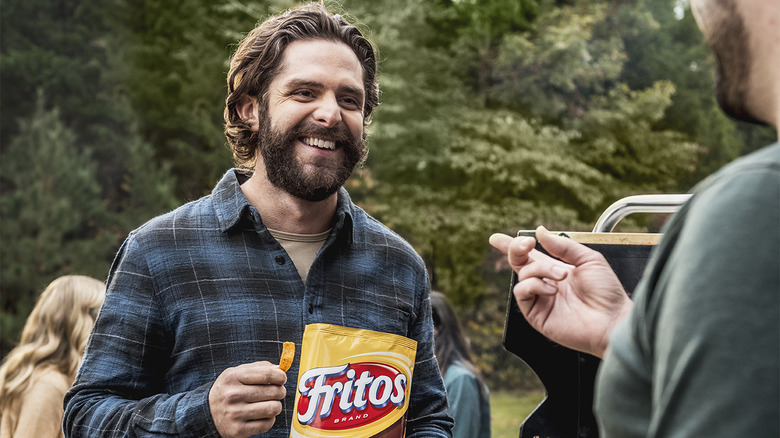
{"x":697,"y":353}
{"x":201,"y":299}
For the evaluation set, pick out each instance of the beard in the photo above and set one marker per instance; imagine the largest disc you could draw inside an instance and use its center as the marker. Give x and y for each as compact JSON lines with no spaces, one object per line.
{"x":288,"y":173}
{"x":729,"y":44}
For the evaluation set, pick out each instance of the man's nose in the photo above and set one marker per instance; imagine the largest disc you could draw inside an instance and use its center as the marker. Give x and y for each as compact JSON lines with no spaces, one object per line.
{"x":328,"y":111}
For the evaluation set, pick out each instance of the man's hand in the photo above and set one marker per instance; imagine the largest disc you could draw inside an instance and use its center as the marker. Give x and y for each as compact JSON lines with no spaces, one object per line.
{"x":575,"y":302}
{"x":245,"y":400}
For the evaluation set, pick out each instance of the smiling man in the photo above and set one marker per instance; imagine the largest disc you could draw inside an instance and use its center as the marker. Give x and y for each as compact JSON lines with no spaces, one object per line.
{"x":200,"y":300}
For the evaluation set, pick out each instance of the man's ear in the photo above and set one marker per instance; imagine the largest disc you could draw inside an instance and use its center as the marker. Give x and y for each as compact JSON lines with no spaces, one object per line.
{"x":247,"y":108}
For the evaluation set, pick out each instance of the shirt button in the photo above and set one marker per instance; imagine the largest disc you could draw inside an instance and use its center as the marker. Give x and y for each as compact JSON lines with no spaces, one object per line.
{"x":311,"y":309}
{"x":280,"y":260}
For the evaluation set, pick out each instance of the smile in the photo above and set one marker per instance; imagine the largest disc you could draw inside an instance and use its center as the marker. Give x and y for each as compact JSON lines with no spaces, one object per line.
{"x":319,"y":143}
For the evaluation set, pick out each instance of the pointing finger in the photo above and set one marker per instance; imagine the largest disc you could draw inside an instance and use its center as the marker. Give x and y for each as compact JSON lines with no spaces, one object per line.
{"x":500,"y":242}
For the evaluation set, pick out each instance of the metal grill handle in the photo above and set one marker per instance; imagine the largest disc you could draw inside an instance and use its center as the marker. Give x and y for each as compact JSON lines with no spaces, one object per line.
{"x":638,"y":204}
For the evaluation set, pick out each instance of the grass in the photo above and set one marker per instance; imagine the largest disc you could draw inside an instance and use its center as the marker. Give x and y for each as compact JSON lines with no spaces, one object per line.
{"x":508,"y":410}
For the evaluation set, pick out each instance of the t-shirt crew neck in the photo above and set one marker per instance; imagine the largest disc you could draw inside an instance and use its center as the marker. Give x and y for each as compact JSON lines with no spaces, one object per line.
{"x":302,"y":248}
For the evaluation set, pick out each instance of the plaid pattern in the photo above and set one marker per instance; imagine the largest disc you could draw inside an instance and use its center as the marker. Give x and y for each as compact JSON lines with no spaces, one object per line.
{"x":206,"y":287}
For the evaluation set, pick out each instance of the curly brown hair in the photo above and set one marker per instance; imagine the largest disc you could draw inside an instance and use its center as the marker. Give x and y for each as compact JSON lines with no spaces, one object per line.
{"x":258,"y":57}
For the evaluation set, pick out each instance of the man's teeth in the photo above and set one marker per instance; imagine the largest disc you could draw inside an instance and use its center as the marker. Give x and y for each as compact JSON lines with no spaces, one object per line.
{"x":320,"y":143}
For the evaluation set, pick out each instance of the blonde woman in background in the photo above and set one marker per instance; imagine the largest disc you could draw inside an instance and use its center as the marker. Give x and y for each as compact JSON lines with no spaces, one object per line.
{"x":36,"y":374}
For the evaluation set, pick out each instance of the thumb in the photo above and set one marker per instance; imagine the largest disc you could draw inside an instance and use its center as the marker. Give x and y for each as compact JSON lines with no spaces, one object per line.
{"x":566,"y":249}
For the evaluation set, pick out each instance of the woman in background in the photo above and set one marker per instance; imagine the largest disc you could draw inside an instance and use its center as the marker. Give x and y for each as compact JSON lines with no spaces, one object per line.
{"x":36,"y":374}
{"x":467,"y":393}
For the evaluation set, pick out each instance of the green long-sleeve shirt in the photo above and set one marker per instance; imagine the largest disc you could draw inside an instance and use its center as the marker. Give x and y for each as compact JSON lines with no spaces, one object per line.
{"x":700,"y":354}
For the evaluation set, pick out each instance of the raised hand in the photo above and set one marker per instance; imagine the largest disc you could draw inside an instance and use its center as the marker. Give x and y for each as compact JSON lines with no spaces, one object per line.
{"x":575,"y":301}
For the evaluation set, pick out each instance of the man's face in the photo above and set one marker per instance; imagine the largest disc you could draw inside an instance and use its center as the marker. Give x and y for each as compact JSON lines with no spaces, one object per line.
{"x":311,"y":130}
{"x":725,"y":32}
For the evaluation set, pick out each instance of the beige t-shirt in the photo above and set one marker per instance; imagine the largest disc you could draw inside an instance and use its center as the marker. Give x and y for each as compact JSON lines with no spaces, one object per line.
{"x":38,"y":413}
{"x":302,"y":248}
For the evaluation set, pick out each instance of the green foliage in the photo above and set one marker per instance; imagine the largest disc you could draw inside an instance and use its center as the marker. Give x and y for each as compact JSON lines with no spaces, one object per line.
{"x":552,"y":70}
{"x":51,"y":209}
{"x":57,"y":47}
{"x":171,"y":59}
{"x":674,"y":51}
{"x":54,"y":218}
{"x":557,"y":139}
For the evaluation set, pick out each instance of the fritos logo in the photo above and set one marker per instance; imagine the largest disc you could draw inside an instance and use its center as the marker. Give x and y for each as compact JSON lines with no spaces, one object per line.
{"x":352,"y":383}
{"x":350,"y":395}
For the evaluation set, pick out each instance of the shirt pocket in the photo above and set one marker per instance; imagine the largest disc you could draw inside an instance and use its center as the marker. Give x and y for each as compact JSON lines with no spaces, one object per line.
{"x":381,"y":315}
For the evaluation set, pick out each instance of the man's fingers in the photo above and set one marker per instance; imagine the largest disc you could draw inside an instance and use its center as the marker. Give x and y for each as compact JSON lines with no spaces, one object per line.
{"x":254,"y":411}
{"x":530,"y":288}
{"x":519,"y":249}
{"x":260,"y":426}
{"x":543,"y":267}
{"x":564,"y":248}
{"x":252,"y":419}
{"x":263,"y":393}
{"x":266,"y":410}
{"x":516,"y":249}
{"x":500,"y":242}
{"x":244,"y":400}
{"x":260,"y":373}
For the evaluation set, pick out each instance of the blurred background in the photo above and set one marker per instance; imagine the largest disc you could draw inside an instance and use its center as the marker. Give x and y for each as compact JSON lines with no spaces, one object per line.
{"x":495,"y":115}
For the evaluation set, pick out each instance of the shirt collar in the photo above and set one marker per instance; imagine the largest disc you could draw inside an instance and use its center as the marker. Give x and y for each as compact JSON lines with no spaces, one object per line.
{"x":231,"y":205}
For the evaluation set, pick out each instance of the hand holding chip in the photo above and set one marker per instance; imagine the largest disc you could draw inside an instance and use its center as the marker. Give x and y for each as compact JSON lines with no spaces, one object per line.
{"x":246,"y":399}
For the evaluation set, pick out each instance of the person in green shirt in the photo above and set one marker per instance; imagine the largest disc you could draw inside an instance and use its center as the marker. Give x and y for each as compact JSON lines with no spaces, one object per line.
{"x":697,"y":353}
{"x":467,"y":393}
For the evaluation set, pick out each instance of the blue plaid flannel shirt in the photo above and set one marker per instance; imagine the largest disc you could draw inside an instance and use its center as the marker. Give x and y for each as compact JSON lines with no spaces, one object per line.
{"x":205,"y":287}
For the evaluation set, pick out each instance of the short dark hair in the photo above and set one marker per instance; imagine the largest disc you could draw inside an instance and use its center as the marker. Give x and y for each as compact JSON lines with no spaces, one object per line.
{"x":257,"y":61}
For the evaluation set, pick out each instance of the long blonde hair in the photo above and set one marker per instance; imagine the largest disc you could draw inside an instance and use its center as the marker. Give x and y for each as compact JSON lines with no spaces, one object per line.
{"x":55,"y":334}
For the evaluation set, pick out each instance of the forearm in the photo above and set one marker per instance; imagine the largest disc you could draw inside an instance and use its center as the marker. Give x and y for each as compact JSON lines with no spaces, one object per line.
{"x":92,"y":412}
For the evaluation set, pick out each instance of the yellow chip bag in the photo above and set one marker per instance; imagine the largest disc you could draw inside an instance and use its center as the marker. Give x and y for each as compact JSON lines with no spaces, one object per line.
{"x":352,"y":383}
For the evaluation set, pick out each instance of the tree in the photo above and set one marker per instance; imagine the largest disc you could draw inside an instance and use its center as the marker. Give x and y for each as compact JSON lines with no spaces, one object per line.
{"x":675,"y":51}
{"x":54,"y":220}
{"x":51,"y":212}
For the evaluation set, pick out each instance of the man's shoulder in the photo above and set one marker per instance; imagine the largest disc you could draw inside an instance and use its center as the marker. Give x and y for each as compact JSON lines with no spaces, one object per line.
{"x":370,"y":231}
{"x":740,"y":204}
{"x":198,"y":214}
{"x":219,"y":209}
{"x":765,"y":161}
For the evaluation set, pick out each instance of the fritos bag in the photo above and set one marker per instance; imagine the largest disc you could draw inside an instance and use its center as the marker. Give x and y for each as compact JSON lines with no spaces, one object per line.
{"x":352,"y":383}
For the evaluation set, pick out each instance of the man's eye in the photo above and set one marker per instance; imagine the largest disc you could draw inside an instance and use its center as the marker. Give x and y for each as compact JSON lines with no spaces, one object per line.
{"x":350,"y":103}
{"x":303,"y":93}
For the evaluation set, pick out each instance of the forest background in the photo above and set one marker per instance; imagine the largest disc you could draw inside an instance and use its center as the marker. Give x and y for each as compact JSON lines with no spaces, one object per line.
{"x":495,"y":115}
